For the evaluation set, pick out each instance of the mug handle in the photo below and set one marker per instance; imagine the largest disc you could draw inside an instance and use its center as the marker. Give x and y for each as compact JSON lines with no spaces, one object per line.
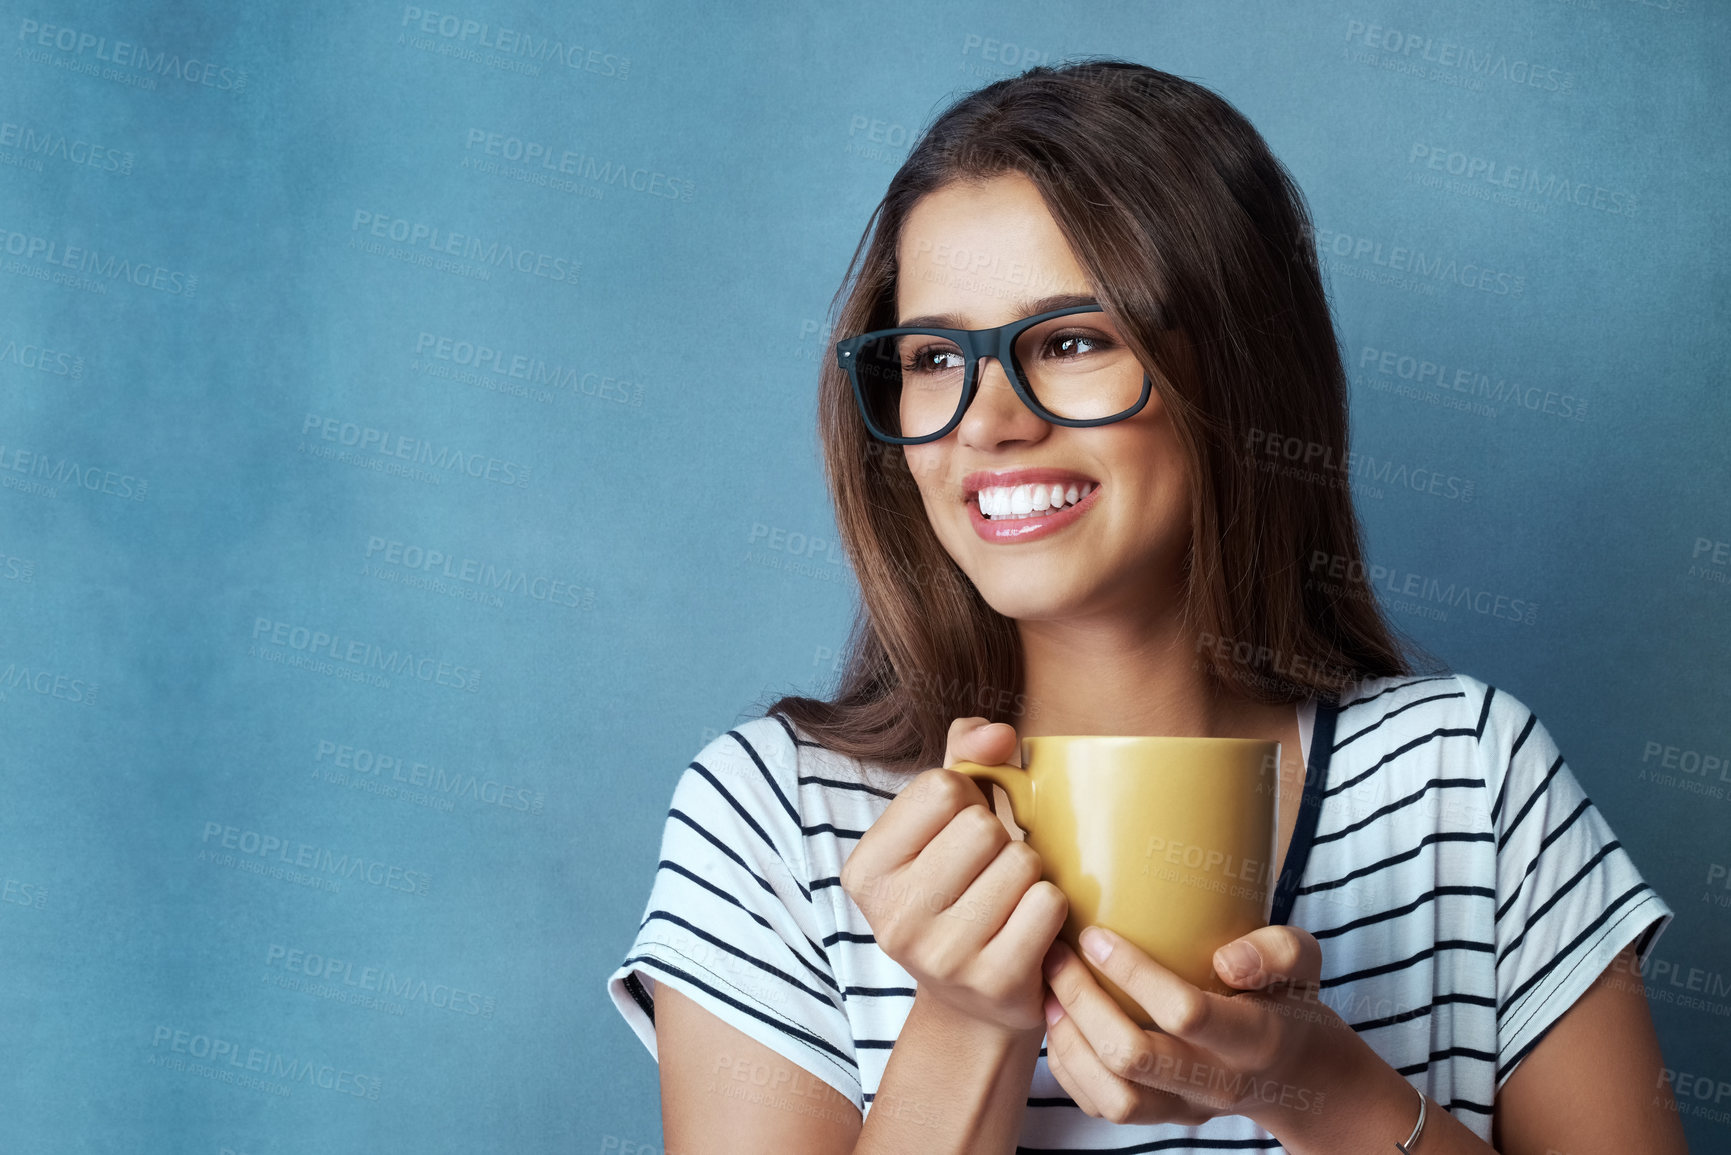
{"x":1015,"y":782}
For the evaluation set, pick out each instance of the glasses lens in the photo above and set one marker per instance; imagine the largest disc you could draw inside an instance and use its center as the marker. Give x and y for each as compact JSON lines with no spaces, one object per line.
{"x":1077,"y":368}
{"x":912,"y":382}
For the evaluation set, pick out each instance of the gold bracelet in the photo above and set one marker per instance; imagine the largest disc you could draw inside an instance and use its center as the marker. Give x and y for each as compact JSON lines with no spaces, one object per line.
{"x":1406,"y":1148}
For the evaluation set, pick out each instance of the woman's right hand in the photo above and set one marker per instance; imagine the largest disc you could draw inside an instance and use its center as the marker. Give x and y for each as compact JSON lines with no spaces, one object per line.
{"x":951,"y":897}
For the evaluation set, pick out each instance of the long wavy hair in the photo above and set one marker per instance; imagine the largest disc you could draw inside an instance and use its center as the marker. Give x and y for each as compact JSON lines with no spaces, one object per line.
{"x":1183,"y":220}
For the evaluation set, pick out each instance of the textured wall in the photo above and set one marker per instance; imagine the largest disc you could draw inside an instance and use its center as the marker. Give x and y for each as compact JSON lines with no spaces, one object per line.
{"x":407,"y":463}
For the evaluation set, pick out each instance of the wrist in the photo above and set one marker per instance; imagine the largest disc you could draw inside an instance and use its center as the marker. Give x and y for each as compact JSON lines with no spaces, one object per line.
{"x":982,"y":1037}
{"x":1350,"y":1099}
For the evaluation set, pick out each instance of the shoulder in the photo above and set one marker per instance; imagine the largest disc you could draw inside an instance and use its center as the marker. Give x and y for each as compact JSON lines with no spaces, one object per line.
{"x":755,"y":764}
{"x":823,"y":772}
{"x":1389,"y":711}
{"x":1450,"y":701}
{"x":1421,"y":728}
{"x":1520,"y":759}
{"x":769,"y":770}
{"x":1502,"y":724}
{"x":738,"y":799}
{"x":767,"y":744}
{"x":1467,"y":722}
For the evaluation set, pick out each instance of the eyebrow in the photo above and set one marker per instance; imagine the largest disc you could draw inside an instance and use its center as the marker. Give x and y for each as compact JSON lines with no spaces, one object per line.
{"x":1024,"y":309}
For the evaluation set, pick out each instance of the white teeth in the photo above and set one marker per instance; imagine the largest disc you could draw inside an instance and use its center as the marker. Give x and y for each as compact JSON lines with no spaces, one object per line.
{"x":1030,"y":500}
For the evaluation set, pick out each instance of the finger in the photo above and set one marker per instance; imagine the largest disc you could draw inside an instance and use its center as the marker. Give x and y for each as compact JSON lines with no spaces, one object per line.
{"x":1073,"y":1086}
{"x":1159,"y":1063}
{"x":1108,"y":1094}
{"x":989,"y":743}
{"x":1235,"y":1029}
{"x":954,"y":857}
{"x":979,"y":740}
{"x":1275,"y":954}
{"x":989,"y":900}
{"x":913,"y":818}
{"x":1028,"y":932}
{"x":1126,"y":1047}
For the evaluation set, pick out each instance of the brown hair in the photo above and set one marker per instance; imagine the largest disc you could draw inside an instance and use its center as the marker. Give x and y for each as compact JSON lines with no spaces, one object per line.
{"x":1199,"y":244}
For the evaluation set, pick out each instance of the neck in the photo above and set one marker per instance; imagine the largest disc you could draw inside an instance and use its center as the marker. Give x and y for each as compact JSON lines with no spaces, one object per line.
{"x":1112,"y":675}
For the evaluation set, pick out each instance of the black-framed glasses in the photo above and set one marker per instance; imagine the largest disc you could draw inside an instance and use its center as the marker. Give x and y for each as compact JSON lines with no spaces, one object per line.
{"x":914,"y":384}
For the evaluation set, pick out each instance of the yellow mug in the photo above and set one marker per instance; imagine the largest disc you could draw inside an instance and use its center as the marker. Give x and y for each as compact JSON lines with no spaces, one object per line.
{"x":1167,"y":841}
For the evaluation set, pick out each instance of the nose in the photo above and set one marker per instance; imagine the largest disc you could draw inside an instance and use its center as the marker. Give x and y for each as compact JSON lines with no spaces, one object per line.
{"x":996,"y":414}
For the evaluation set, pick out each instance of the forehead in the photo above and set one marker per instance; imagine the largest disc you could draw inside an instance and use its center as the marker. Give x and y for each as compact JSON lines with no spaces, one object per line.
{"x":974,"y":250}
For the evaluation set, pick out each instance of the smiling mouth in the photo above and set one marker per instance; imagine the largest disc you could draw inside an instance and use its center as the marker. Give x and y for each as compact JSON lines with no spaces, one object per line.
{"x":1041,"y":499}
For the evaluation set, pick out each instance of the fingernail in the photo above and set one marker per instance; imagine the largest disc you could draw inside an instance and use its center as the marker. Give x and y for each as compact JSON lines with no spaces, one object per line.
{"x":1240,"y":960}
{"x":1095,"y":942}
{"x":1054,"y":1009}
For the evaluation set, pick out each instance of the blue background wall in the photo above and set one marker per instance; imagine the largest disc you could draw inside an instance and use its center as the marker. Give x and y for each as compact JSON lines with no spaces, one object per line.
{"x":224,"y":419}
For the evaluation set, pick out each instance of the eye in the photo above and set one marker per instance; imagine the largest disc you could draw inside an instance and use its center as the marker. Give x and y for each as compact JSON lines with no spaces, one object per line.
{"x":1075,"y":343}
{"x":936,"y":358}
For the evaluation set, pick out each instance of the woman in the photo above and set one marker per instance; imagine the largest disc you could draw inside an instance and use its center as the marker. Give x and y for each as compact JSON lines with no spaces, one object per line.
{"x":1121,"y":539}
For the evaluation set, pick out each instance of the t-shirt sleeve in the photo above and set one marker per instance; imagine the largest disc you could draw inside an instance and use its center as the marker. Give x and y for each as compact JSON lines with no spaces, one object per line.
{"x":730,"y":922}
{"x":1569,"y":896}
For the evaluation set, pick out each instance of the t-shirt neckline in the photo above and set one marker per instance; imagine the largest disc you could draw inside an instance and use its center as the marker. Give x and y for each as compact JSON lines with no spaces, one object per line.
{"x":1316,"y":739}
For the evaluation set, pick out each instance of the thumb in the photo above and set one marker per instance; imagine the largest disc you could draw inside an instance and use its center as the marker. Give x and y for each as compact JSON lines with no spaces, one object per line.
{"x":980,"y":740}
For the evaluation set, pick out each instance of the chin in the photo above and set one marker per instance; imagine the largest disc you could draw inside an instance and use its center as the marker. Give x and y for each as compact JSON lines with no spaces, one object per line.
{"x":1029,"y":595}
{"x":1027,"y":611}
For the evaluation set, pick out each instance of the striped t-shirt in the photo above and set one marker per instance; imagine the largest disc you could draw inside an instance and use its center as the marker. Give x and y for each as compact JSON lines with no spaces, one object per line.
{"x":1464,"y":890}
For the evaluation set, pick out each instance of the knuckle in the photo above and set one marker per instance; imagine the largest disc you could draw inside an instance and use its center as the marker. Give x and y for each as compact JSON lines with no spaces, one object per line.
{"x":1063,"y":1047}
{"x":960,"y":726}
{"x":997,"y":986}
{"x":891,"y":937}
{"x":1121,"y":1104}
{"x":1139,"y":1058}
{"x":983,"y":824}
{"x":1189,"y":1011}
{"x":1119,"y":1059}
{"x":1266,"y":1052}
{"x":1280,"y":953}
{"x":860,"y":882}
{"x":1024,"y":858}
{"x":923,"y":959}
{"x":943,"y":788}
{"x":1305,"y":946}
{"x":939,"y":958}
{"x":954,"y":966}
{"x":1056,"y":904}
{"x":1008,"y":879}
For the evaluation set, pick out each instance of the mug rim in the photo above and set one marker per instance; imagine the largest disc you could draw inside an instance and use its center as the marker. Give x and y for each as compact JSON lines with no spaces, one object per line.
{"x":1148,"y":738}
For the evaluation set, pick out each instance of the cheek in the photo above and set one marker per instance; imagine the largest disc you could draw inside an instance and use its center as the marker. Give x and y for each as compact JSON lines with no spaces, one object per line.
{"x":926,"y":468}
{"x":922,"y":460}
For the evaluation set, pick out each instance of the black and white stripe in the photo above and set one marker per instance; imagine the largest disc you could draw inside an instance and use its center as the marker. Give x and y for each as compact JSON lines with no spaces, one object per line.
{"x":1464,"y":890}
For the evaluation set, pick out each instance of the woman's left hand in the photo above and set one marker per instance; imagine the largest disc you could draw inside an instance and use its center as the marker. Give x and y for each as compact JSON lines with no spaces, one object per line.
{"x":1268,"y":1053}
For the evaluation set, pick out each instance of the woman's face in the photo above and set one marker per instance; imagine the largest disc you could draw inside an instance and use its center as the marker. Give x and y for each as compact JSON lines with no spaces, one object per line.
{"x":986,"y":254}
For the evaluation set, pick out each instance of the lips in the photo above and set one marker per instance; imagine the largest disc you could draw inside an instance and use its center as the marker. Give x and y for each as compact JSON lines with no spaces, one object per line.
{"x":1003,"y":529}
